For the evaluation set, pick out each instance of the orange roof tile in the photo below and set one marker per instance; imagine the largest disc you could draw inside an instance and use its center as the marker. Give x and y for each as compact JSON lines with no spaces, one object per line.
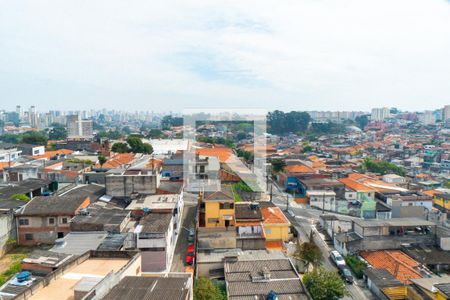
{"x":117,"y":160}
{"x":300,"y":168}
{"x":273,"y":215}
{"x":355,"y":185}
{"x":432,"y":193}
{"x":50,"y":154}
{"x":222,"y":153}
{"x":400,"y":265}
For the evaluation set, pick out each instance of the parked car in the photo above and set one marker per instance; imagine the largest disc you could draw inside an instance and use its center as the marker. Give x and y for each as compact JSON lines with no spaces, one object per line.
{"x":191,"y":248}
{"x":191,"y":236}
{"x":189,"y":258}
{"x":346,"y":274}
{"x":337,"y":258}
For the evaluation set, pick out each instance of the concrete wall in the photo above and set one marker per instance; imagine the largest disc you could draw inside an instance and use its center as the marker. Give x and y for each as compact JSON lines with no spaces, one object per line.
{"x":251,"y":243}
{"x":7,"y":231}
{"x":125,"y":185}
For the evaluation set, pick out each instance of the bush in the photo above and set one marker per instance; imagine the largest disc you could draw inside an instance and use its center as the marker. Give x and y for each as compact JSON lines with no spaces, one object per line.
{"x":356,"y":265}
{"x":21,"y":197}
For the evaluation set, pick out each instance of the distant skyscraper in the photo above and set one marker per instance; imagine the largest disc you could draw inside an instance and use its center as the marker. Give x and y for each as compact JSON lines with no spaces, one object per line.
{"x":380,"y":114}
{"x":32,"y":116}
{"x":446,"y":113}
{"x":427,"y":117}
{"x":78,"y":128}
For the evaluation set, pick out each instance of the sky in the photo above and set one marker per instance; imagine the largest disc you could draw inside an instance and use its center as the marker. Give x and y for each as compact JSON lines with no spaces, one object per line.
{"x":269,"y":54}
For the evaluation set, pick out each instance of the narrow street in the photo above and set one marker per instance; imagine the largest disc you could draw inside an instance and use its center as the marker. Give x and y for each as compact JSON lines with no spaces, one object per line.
{"x":304,"y":219}
{"x":187,"y":221}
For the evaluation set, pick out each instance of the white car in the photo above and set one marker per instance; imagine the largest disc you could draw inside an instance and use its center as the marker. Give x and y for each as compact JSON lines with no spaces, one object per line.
{"x":337,"y":258}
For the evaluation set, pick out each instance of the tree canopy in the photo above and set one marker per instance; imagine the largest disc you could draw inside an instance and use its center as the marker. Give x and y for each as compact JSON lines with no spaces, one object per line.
{"x":58,"y":132}
{"x":120,"y":147}
{"x":309,"y":253}
{"x":282,"y":123}
{"x":205,"y":289}
{"x":278,"y":165}
{"x":324,"y":285}
{"x":137,"y":146}
{"x":362,"y":121}
{"x":383,"y":167}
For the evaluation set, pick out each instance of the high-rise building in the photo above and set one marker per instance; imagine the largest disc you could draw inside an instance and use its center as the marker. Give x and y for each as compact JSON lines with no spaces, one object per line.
{"x":446,"y":113}
{"x":32,"y":117}
{"x":380,"y":114}
{"x":78,"y":128}
{"x":427,"y":117}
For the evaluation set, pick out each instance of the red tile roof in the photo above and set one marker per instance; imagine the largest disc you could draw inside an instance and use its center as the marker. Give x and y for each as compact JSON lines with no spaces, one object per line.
{"x":400,"y":265}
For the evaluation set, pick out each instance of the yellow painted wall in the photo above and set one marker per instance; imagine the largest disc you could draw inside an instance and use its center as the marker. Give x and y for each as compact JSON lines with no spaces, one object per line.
{"x":440,"y":296}
{"x":213,"y":211}
{"x":441,"y":202}
{"x":276,"y":232}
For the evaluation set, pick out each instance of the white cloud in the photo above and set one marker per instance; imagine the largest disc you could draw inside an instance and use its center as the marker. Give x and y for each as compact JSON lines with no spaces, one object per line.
{"x":303,"y":54}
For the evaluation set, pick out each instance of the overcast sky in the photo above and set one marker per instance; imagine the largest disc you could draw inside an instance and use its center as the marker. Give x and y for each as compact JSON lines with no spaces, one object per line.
{"x":280,"y":54}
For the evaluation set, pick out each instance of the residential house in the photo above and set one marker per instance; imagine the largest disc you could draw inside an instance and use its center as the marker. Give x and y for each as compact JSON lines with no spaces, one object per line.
{"x":385,"y":234}
{"x":261,"y":279}
{"x":397,"y":263}
{"x":124,"y":183}
{"x":156,"y":237}
{"x":384,"y":285}
{"x":31,"y":150}
{"x":29,"y":187}
{"x":45,"y":219}
{"x":134,"y":287}
{"x":276,"y":227}
{"x":249,"y":228}
{"x":9,"y":152}
{"x":89,"y":275}
{"x":217,"y":208}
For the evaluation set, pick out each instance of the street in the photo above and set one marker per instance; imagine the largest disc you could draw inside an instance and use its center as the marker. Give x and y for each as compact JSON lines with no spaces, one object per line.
{"x":187,"y":221}
{"x":304,"y":218}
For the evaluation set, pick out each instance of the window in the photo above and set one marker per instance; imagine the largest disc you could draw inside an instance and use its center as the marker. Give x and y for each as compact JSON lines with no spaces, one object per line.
{"x":28,"y":236}
{"x":269,"y":230}
{"x":64,"y":221}
{"x":51,"y":221}
{"x":24,"y":222}
{"x":226,"y":205}
{"x":213,"y":220}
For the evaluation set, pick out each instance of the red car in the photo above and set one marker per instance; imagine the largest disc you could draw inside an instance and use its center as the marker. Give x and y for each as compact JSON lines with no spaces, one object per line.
{"x":190,"y":254}
{"x":190,"y":258}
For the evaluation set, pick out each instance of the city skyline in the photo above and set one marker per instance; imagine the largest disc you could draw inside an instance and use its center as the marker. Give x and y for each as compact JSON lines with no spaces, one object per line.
{"x":302,"y":55}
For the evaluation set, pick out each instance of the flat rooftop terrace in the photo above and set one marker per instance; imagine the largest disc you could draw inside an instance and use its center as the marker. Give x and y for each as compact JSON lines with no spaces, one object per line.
{"x":63,"y":287}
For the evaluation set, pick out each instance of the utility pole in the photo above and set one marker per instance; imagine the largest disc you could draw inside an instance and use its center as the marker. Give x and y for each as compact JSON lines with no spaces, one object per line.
{"x":323,"y":203}
{"x":287,"y":202}
{"x":271,"y":192}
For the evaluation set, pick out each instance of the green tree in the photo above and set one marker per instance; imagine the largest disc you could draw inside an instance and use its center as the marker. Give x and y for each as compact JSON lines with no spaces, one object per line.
{"x":447,"y":184}
{"x":101,"y":160}
{"x":58,"y":132}
{"x":362,"y":121}
{"x":205,"y":289}
{"x":155,"y":133}
{"x":34,"y":138}
{"x":120,"y":148}
{"x":381,"y":166}
{"x":324,"y":285}
{"x":137,"y":146}
{"x":283,"y":123}
{"x":309,"y":253}
{"x":10,"y":138}
{"x":278,"y":165}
